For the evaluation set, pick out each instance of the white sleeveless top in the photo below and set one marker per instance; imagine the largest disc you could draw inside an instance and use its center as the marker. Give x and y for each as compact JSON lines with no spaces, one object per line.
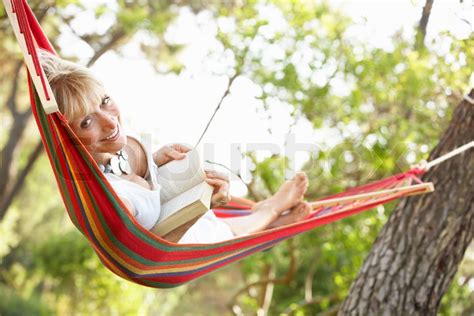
{"x":147,"y":207}
{"x":146,"y":203}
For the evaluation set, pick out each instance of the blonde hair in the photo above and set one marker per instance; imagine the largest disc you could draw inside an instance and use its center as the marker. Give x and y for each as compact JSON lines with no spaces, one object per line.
{"x":76,"y":90}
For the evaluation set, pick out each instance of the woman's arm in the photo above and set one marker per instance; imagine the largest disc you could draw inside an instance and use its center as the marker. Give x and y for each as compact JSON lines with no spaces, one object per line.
{"x":220,"y":182}
{"x":170,"y":152}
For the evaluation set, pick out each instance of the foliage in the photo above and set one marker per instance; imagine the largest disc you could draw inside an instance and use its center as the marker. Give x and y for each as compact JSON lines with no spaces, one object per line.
{"x":12,"y":304}
{"x":378,"y":111}
{"x":376,"y":102}
{"x":79,"y":281}
{"x":40,"y":256}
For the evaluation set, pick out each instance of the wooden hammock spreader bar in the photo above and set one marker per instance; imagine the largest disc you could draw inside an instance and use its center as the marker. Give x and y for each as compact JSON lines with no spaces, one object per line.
{"x":37,"y":75}
{"x":406,"y":190}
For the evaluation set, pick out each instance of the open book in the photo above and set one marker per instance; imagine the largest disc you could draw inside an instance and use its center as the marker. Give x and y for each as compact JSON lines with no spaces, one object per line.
{"x":184,"y":193}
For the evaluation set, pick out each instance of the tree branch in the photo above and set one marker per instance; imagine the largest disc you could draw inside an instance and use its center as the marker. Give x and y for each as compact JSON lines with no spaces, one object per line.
{"x":8,"y":151}
{"x":11,"y":104}
{"x":8,"y":199}
{"x":226,"y":93}
{"x":425,"y":16}
{"x":266,"y":291}
{"x":41,"y":13}
{"x":118,"y":35}
{"x":283,"y":280}
{"x":308,"y":283}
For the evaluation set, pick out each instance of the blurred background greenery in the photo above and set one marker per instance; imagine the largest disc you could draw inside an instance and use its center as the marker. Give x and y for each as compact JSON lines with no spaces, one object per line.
{"x":385,"y":108}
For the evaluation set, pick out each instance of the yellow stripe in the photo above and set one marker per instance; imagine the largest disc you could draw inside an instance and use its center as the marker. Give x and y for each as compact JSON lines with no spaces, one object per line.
{"x":116,"y":255}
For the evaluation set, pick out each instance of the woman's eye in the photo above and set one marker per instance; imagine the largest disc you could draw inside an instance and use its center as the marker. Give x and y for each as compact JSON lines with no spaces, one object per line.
{"x":106,"y":101}
{"x":86,"y":123}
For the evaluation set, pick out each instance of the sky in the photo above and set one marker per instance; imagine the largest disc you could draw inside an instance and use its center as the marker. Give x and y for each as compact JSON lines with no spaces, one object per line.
{"x":172,"y":108}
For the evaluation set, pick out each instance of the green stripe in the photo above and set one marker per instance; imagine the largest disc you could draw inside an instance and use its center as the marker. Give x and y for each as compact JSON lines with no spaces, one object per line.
{"x":54,"y":159}
{"x":121,"y":212}
{"x":131,"y":226}
{"x":133,"y":254}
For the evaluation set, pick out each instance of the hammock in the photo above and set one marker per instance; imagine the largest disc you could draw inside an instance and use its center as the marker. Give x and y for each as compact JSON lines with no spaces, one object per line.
{"x":123,"y":246}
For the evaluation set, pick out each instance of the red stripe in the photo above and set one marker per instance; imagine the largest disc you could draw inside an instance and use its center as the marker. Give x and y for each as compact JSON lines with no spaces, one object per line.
{"x":42,"y":42}
{"x":73,"y":150}
{"x":25,"y":29}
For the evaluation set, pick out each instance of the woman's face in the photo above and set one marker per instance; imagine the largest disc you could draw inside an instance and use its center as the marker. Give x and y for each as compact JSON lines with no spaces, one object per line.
{"x":100,"y":130}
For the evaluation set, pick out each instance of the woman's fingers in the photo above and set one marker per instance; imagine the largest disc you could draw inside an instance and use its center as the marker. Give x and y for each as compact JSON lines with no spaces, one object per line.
{"x":173,"y":154}
{"x":170,"y":152}
{"x":180,"y":148}
{"x":219,"y":185}
{"x":216,"y":183}
{"x":217,"y":174}
{"x":220,"y":182}
{"x":221,"y":192}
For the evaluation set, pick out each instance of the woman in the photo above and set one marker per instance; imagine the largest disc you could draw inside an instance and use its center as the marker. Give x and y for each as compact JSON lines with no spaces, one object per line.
{"x":131,"y":170}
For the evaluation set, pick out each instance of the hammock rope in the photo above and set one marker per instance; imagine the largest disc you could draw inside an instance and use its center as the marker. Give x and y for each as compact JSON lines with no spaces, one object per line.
{"x":468,"y":98}
{"x":425,"y":165}
{"x":125,"y":247}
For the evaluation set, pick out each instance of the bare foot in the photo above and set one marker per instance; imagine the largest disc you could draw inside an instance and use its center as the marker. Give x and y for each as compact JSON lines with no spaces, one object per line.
{"x":266,"y":212}
{"x":289,"y":194}
{"x":296,"y":214}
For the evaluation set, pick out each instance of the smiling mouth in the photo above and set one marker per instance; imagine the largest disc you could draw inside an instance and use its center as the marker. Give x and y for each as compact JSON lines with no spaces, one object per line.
{"x":114,"y":134}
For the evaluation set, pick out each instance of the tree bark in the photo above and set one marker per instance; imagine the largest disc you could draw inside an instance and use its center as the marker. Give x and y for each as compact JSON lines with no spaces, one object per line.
{"x":417,"y":253}
{"x":425,"y":16}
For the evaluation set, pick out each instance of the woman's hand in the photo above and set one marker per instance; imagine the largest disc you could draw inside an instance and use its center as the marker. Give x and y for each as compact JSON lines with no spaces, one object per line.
{"x":220,"y":182}
{"x":170,"y":152}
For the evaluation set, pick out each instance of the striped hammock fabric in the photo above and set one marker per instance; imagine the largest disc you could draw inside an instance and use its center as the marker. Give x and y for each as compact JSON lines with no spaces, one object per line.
{"x":123,"y":246}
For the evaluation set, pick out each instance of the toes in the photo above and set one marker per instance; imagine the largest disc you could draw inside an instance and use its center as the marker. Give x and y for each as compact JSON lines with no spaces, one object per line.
{"x":301,"y":176}
{"x":301,"y":207}
{"x":306,"y":207}
{"x":301,"y":211}
{"x":298,"y":207}
{"x":301,"y":179}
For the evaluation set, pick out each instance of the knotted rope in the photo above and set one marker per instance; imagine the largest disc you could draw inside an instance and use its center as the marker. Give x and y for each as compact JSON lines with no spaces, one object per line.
{"x":469,"y":99}
{"x":425,"y":165}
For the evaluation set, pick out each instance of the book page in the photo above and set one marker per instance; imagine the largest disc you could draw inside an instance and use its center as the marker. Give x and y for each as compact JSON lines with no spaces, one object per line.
{"x":184,"y":199}
{"x":184,"y":208}
{"x":178,"y":176}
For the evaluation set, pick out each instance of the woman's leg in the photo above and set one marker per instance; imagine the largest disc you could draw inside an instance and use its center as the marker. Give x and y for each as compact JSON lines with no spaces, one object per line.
{"x":288,"y":196}
{"x":296,"y":214}
{"x":266,"y":214}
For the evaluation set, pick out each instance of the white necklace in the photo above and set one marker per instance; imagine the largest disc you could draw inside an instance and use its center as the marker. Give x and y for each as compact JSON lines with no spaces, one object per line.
{"x":118,"y":164}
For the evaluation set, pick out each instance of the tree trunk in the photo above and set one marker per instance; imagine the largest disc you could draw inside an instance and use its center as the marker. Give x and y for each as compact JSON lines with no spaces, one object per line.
{"x":425,"y":16}
{"x":417,"y":253}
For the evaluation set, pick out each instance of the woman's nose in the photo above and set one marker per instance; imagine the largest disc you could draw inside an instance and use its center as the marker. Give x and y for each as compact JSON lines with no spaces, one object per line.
{"x":108,"y":121}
